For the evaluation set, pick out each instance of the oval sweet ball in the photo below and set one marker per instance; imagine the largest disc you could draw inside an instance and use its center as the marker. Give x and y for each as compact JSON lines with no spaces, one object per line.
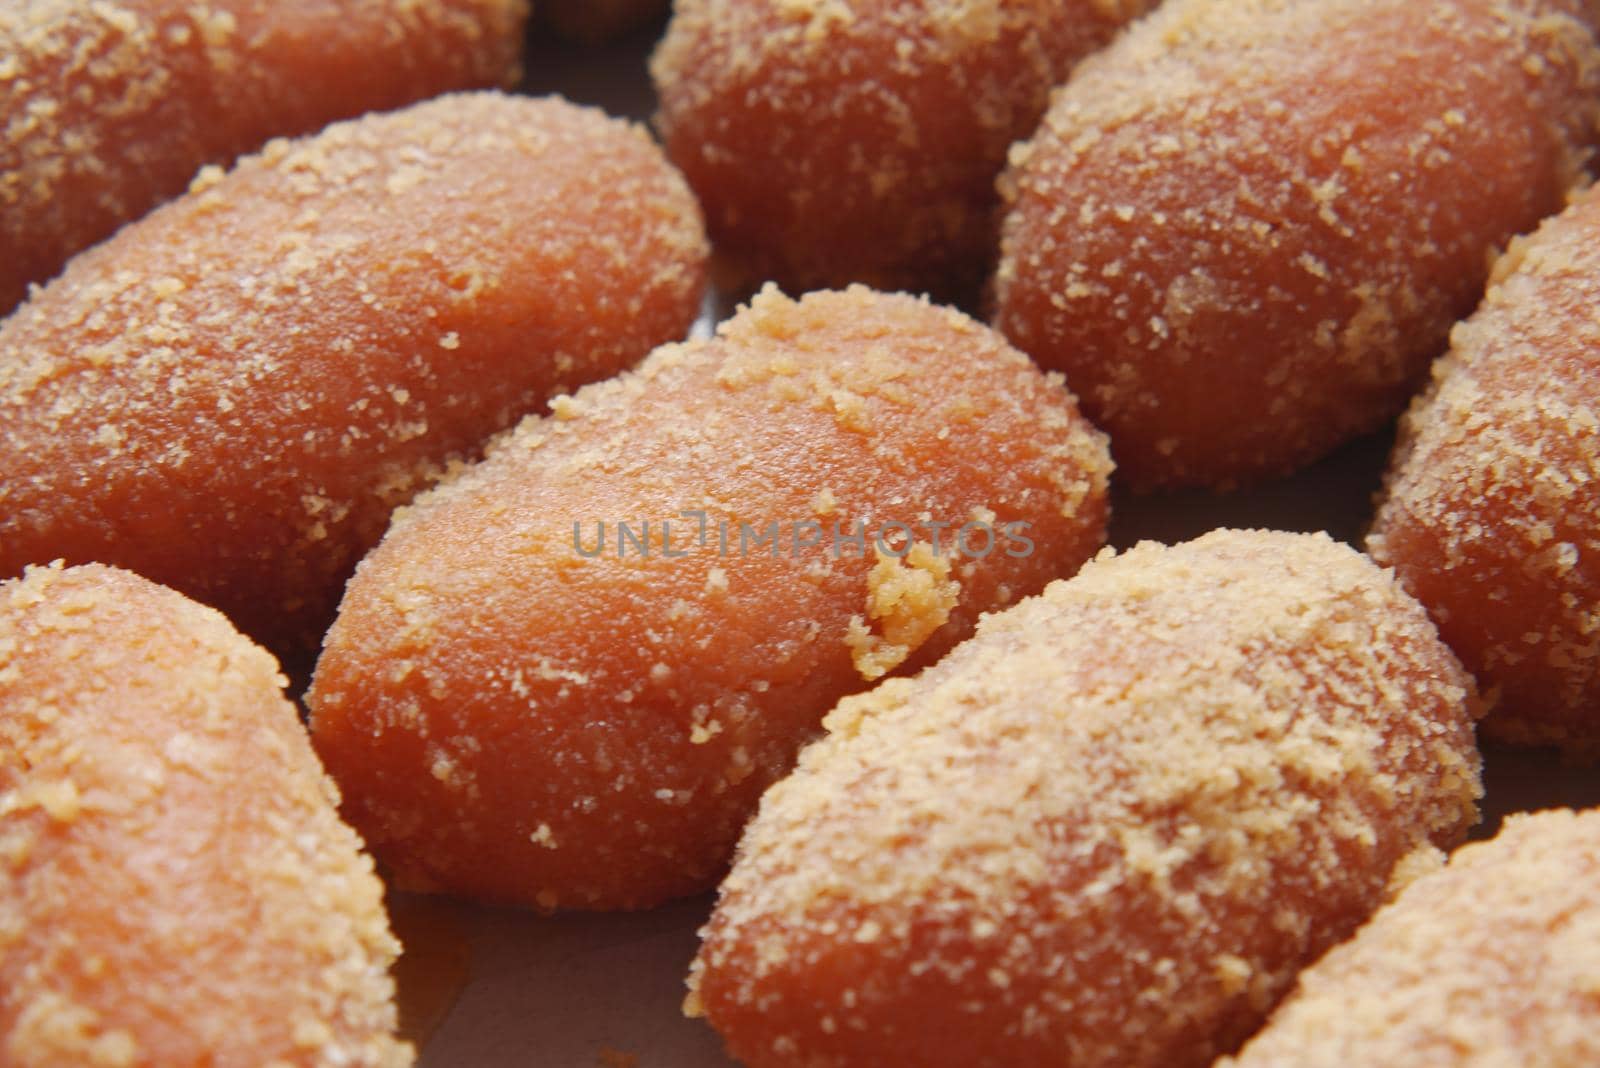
{"x":109,"y":109}
{"x":835,"y":143}
{"x":1492,"y":961}
{"x":1107,"y":830}
{"x":1491,"y":508}
{"x":176,"y":887}
{"x":1245,"y":229}
{"x":565,"y":676}
{"x":231,"y":395}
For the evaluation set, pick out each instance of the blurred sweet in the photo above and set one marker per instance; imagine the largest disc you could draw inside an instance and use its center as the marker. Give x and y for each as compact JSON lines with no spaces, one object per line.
{"x":106,"y":110}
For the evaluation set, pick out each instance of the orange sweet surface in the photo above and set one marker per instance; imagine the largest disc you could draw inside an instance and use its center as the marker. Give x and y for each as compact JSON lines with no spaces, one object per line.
{"x":176,"y":887}
{"x":1105,"y":832}
{"x":1245,"y":228}
{"x":108,"y":109}
{"x":1491,"y":962}
{"x":1491,"y":512}
{"x":514,"y":720}
{"x":232,"y":394}
{"x":859,"y":142}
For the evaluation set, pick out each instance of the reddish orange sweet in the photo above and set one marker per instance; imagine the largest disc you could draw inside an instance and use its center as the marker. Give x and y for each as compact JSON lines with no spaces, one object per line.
{"x":1105,"y":832}
{"x":859,"y":142}
{"x":231,"y":395}
{"x":1245,"y":229}
{"x":516,"y":711}
{"x":176,"y":888}
{"x":1492,"y":961}
{"x":1491,"y":512}
{"x":108,"y":109}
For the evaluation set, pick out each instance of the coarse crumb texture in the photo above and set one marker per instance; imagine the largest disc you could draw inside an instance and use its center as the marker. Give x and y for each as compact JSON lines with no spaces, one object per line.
{"x":834,"y":141}
{"x":1108,"y":830}
{"x":1244,"y":229}
{"x":176,"y":887}
{"x":597,"y":21}
{"x":520,"y":705}
{"x":1491,"y":512}
{"x":231,"y":395}
{"x":109,"y":108}
{"x":1493,"y":962}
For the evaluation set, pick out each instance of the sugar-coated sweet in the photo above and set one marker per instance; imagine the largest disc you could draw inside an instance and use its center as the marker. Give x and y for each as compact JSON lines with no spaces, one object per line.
{"x":526,"y":702}
{"x":859,"y":142}
{"x":1245,"y":229}
{"x":1494,"y":961}
{"x":1491,"y":513}
{"x":232,"y":394}
{"x":176,"y":887}
{"x":108,"y":109}
{"x":1108,"y":830}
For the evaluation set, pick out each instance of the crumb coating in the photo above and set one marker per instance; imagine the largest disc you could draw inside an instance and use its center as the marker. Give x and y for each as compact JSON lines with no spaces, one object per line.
{"x":1493,"y":962}
{"x":109,"y":108}
{"x":511,"y":720}
{"x":176,"y":887}
{"x":859,"y":141}
{"x":1106,"y":831}
{"x":231,"y":395}
{"x":1245,"y":229}
{"x":1491,"y":511}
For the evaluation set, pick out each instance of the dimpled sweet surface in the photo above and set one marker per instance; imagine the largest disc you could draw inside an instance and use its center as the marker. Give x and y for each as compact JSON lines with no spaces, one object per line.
{"x":833,"y":142}
{"x":1245,"y":228}
{"x":1493,"y":962}
{"x":1108,"y":830}
{"x":109,"y":108}
{"x":1491,"y":514}
{"x":231,"y":395}
{"x":518,"y":711}
{"x":176,"y":887}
